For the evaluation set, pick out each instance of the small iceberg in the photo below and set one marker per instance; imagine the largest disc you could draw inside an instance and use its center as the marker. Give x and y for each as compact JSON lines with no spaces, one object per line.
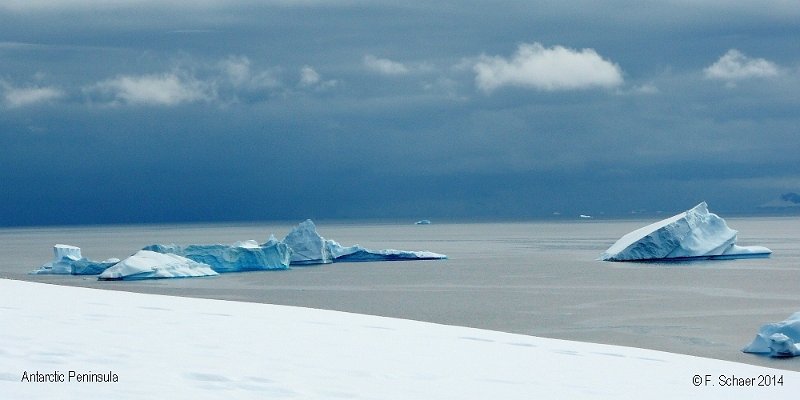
{"x":423,"y":222}
{"x":245,"y":255}
{"x":693,"y":234}
{"x":67,"y":260}
{"x":778,"y":339}
{"x":308,"y":248}
{"x":357,"y":253}
{"x":146,"y":264}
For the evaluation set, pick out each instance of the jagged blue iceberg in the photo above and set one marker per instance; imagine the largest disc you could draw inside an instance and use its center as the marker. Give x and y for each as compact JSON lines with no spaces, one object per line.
{"x":778,"y":339}
{"x":145,"y":264}
{"x":67,"y":260}
{"x":693,"y":234}
{"x":245,"y":255}
{"x":302,"y":246}
{"x":308,"y":247}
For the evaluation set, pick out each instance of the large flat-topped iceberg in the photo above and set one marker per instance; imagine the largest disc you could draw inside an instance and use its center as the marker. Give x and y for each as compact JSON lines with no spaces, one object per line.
{"x":246,"y":255}
{"x":696,"y":233}
{"x":67,"y":260}
{"x":146,"y":264}
{"x":308,"y":247}
{"x":778,"y":339}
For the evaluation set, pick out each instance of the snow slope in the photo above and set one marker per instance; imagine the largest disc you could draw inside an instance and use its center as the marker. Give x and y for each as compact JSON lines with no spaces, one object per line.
{"x":181,"y":348}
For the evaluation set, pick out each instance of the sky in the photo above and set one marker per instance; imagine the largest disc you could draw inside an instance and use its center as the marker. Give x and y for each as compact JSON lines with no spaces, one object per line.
{"x":169,"y":111}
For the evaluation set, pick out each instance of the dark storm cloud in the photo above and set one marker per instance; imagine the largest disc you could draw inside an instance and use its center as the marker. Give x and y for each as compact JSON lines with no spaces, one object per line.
{"x":791,"y":197}
{"x":161,"y":111}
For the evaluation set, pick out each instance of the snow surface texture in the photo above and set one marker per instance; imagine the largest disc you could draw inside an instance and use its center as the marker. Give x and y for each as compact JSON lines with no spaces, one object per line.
{"x":778,"y":339}
{"x":163,"y":347}
{"x":308,"y":247}
{"x":147,"y":264}
{"x":67,"y":260}
{"x":693,"y":234}
{"x":245,"y":255}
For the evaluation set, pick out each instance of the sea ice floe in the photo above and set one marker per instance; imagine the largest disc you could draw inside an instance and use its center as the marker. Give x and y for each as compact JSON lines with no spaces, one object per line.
{"x":146,"y":264}
{"x":696,"y":233}
{"x":67,"y":260}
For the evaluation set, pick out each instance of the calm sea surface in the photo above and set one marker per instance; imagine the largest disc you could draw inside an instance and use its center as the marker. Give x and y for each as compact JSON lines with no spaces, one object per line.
{"x":534,"y":278}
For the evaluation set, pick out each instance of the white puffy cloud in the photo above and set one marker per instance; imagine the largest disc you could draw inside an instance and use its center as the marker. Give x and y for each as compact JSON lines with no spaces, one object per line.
{"x":230,"y":80}
{"x":239,"y":74}
{"x":646,"y":89}
{"x":734,"y":65}
{"x":385,"y":66}
{"x":308,"y":76}
{"x":19,"y":97}
{"x":166,"y":89}
{"x":556,"y":68}
{"x":237,"y":69}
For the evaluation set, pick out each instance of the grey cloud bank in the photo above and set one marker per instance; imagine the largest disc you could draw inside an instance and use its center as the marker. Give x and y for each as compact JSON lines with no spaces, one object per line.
{"x":147,"y":112}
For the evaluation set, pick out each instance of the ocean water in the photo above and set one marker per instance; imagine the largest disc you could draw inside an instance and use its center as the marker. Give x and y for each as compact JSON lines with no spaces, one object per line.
{"x":534,"y":278}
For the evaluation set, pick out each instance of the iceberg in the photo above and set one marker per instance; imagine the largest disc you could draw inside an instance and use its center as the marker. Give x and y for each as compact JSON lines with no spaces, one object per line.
{"x":778,"y":339}
{"x":423,"y":222}
{"x":693,"y":234}
{"x":67,"y":260}
{"x":308,"y":247}
{"x":357,"y":253}
{"x":245,"y":255}
{"x":146,"y":264}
